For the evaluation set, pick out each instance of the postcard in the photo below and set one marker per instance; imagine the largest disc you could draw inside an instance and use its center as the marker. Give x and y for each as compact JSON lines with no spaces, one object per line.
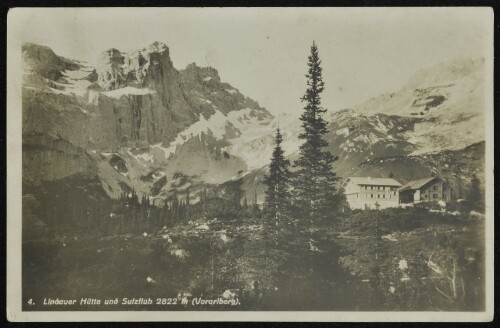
{"x":250,"y":164}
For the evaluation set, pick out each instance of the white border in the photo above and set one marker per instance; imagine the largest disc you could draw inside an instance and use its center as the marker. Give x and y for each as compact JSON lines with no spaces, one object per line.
{"x":15,"y":20}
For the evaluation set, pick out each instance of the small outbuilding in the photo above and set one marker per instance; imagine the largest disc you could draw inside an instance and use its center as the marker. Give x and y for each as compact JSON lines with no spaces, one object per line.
{"x":431,"y":189}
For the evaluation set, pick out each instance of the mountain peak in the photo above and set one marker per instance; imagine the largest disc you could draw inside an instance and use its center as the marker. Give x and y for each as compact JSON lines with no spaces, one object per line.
{"x":205,"y":74}
{"x":442,"y":73}
{"x":155,"y":47}
{"x":117,"y":69}
{"x":43,"y":61}
{"x":158,"y":46}
{"x":33,"y":48}
{"x":111,"y":56}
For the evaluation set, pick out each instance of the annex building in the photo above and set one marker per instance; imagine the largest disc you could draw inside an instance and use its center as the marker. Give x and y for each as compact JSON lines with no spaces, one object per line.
{"x":430,"y":189}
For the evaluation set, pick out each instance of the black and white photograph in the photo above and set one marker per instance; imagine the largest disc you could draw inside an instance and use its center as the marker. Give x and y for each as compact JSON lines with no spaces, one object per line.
{"x":198,"y":163}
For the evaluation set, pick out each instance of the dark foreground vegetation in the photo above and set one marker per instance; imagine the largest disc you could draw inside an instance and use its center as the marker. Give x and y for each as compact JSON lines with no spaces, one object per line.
{"x":397,"y":259}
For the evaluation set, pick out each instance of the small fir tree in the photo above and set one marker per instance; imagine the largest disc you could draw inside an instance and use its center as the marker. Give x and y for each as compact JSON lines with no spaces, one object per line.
{"x":277,"y":181}
{"x":476,"y":196}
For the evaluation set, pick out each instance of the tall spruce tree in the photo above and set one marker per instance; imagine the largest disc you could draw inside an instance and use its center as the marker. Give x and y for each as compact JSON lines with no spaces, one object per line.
{"x":277,"y":181}
{"x":314,"y":180}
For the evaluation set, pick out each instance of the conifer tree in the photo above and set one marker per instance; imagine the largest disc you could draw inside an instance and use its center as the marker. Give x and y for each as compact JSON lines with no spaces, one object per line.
{"x":245,"y":202}
{"x":277,"y":181}
{"x":255,"y":206}
{"x":475,"y":196}
{"x":175,"y":209}
{"x":204,"y":204}
{"x":187,"y":209}
{"x":314,"y":180}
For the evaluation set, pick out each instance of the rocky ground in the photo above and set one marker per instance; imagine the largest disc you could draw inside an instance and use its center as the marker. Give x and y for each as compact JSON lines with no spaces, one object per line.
{"x":397,"y":259}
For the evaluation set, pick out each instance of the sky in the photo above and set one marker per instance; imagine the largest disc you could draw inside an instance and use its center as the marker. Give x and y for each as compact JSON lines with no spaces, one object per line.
{"x":263,"y":51}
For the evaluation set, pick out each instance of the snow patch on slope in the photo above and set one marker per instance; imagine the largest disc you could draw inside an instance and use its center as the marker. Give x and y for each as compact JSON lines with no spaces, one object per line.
{"x":118,"y":93}
{"x":75,"y":82}
{"x":254,"y":139}
{"x":256,"y":142}
{"x":215,"y":124}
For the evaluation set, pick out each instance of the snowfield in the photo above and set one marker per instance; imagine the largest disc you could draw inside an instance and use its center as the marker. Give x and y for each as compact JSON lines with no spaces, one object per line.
{"x":126,"y":91}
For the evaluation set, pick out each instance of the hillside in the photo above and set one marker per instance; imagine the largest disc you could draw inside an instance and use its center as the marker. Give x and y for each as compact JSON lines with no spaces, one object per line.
{"x":438,"y":115}
{"x":450,"y":97}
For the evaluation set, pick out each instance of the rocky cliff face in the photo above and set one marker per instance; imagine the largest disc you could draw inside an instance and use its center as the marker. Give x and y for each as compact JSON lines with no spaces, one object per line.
{"x":139,"y":107}
{"x":47,"y":159}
